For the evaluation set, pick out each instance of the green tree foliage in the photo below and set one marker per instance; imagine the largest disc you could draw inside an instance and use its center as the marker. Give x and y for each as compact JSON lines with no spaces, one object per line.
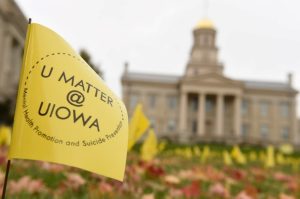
{"x":6,"y":117}
{"x":87,"y":58}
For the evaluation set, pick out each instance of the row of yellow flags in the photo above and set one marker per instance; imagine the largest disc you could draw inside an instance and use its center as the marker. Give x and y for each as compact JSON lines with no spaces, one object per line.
{"x":267,"y":157}
{"x":151,"y":147}
{"x":138,"y":125}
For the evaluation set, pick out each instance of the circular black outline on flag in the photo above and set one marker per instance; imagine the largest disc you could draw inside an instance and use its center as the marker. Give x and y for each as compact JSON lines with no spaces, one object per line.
{"x":76,"y":58}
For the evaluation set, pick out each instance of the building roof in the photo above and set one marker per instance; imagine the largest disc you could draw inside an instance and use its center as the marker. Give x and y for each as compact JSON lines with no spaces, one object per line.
{"x":173,"y":79}
{"x":205,"y":23}
{"x":278,"y":86}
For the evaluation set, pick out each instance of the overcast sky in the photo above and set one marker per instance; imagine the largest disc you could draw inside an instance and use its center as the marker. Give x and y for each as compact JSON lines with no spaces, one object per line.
{"x":258,"y":39}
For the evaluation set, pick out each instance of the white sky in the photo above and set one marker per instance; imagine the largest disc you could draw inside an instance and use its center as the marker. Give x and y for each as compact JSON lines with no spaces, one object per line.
{"x":258,"y":39}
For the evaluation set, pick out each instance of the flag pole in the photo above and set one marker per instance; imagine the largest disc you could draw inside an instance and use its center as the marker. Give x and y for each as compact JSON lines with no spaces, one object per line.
{"x":8,"y":161}
{"x":6,"y":178}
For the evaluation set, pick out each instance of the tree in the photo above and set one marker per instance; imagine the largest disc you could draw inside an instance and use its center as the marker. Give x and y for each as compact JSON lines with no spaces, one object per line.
{"x":6,"y":115}
{"x":87,"y":58}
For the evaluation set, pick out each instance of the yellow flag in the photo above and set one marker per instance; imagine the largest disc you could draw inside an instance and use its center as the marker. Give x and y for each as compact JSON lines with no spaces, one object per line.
{"x":205,"y":154}
{"x":241,"y":159}
{"x":270,"y":161}
{"x":235,"y":151}
{"x":286,"y":149}
{"x":138,"y":125}
{"x":252,"y":156}
{"x":188,"y":153}
{"x":65,"y":113}
{"x":227,"y":158}
{"x":237,"y":154}
{"x":280,"y":159}
{"x":197,"y":151}
{"x":149,"y":147}
{"x":5,"y":135}
{"x":161,"y":146}
{"x":262,"y":156}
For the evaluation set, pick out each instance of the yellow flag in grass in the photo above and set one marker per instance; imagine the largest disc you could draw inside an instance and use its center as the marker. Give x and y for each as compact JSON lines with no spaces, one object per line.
{"x":197,"y":151}
{"x":5,"y":135}
{"x":280,"y":159}
{"x":237,"y":154}
{"x":253,"y":156}
{"x":65,"y":113}
{"x":286,"y":149}
{"x":205,"y":154}
{"x":138,"y":125}
{"x":227,"y":159}
{"x":149,"y":147}
{"x":161,"y":146}
{"x":270,"y":161}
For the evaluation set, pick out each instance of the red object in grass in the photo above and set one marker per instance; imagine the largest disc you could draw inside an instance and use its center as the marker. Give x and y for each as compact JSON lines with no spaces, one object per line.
{"x":192,"y":190}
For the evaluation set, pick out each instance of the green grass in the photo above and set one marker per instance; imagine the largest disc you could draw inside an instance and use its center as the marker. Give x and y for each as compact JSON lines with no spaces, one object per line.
{"x":149,"y":184}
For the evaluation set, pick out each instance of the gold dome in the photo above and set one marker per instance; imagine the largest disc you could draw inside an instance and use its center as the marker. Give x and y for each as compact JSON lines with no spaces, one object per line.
{"x":205,"y":23}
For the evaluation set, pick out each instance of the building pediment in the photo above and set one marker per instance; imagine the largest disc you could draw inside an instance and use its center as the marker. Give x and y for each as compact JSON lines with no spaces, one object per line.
{"x":211,"y":79}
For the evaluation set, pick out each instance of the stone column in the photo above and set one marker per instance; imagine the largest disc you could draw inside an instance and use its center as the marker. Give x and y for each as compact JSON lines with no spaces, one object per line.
{"x":220,"y":115}
{"x":201,"y":114}
{"x":254,"y":132}
{"x":275,"y":131}
{"x":182,"y":113}
{"x":294,"y":130}
{"x":237,"y":116}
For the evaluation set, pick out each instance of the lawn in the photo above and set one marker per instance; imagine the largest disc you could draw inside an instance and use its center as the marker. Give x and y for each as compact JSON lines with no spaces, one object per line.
{"x":178,"y":171}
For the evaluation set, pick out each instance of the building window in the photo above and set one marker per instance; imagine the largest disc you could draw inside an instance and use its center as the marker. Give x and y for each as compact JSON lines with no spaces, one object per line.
{"x":194,"y":127}
{"x":15,"y":62}
{"x":171,"y":125}
{"x":245,"y":130}
{"x":203,"y":40}
{"x":285,"y":133}
{"x":264,"y":108}
{"x":210,"y":40}
{"x":226,"y":108}
{"x":209,"y":105}
{"x":245,"y":107}
{"x":194,"y":104}
{"x":172,"y":102}
{"x":206,"y":40}
{"x":284,"y":109}
{"x":133,"y":101}
{"x":152,"y":101}
{"x":264,"y":130}
{"x":16,"y":59}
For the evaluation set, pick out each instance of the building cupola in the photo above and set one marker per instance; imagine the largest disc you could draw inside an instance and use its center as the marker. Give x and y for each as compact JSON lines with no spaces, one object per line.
{"x":204,"y":52}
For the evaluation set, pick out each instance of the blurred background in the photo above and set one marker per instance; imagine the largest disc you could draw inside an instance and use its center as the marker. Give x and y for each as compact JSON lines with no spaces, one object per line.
{"x":217,"y":81}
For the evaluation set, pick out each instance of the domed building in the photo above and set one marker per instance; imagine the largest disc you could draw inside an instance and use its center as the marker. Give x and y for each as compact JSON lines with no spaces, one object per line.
{"x":203,"y":105}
